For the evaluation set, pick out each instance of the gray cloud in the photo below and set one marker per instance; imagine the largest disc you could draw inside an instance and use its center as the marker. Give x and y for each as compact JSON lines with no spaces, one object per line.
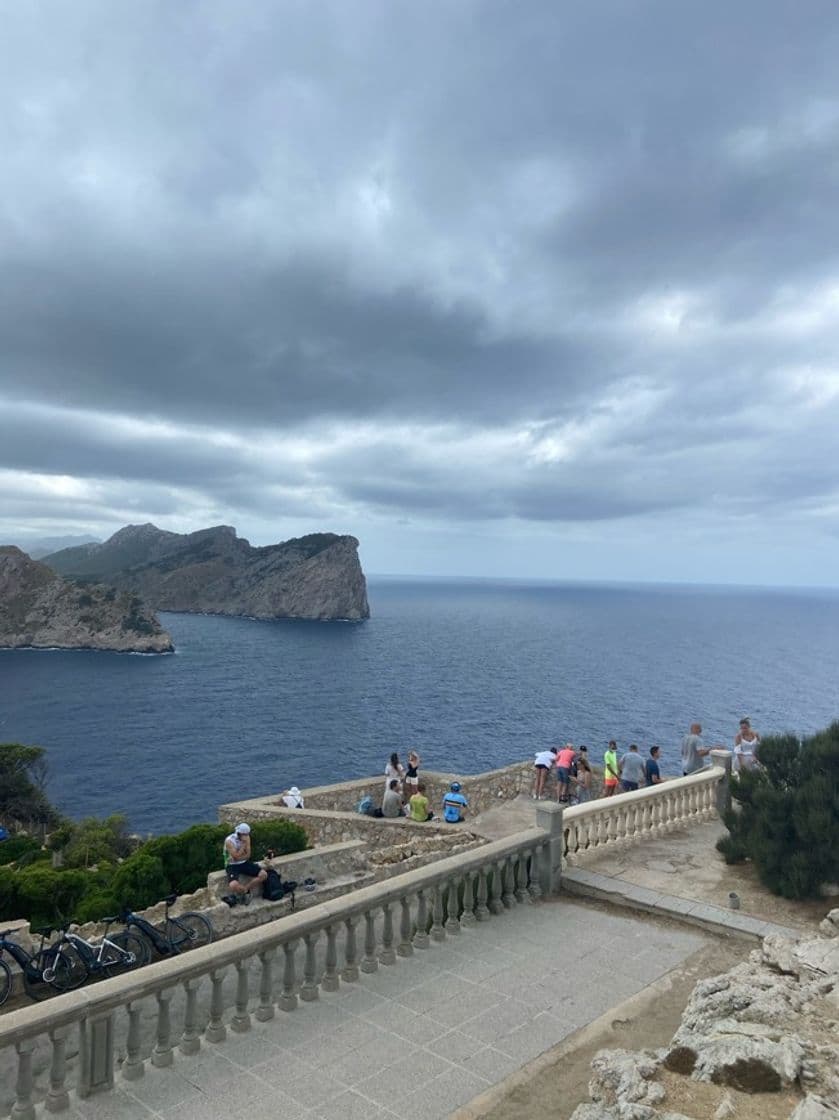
{"x":453,"y":263}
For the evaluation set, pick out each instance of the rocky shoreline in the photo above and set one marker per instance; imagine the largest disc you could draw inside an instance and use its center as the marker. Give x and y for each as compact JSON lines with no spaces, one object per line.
{"x":766,"y":1032}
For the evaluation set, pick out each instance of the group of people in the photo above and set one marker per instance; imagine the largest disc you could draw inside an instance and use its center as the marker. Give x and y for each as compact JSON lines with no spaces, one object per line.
{"x":623,"y":773}
{"x":405,"y":794}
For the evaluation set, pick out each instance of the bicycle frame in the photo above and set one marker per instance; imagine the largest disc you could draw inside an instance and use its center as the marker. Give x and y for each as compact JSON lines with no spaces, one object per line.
{"x":91,"y":954}
{"x":154,"y":935}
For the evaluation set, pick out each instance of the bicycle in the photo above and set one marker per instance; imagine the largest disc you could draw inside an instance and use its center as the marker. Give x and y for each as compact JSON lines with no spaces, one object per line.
{"x":111,"y":956}
{"x":42,"y":971}
{"x":187,"y":931}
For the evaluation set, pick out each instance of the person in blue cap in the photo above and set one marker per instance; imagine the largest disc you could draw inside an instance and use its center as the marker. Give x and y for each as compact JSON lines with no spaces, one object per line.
{"x":453,"y":804}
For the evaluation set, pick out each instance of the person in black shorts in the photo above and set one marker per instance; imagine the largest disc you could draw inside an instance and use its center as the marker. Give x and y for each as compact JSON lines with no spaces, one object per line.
{"x":238,"y":865}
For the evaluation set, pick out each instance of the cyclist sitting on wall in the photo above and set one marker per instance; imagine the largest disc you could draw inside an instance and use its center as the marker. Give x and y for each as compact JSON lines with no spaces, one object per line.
{"x":238,"y":862}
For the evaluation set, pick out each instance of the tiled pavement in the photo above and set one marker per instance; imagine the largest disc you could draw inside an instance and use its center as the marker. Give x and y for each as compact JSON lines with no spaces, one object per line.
{"x":420,"y":1038}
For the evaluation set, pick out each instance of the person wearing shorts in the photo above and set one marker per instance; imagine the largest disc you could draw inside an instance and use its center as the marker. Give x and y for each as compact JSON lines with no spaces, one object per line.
{"x":545,"y":761}
{"x":632,"y":769}
{"x":611,"y":774}
{"x":412,"y":775}
{"x":238,"y":864}
{"x":564,"y":762}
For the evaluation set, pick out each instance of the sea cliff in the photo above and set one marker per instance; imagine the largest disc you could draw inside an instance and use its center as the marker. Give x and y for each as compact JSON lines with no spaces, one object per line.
{"x":213,"y":571}
{"x":40,"y":609}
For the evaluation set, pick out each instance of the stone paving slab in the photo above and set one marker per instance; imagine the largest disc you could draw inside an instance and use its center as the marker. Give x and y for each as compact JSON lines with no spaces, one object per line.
{"x":579,"y":881}
{"x":419,"y":1038}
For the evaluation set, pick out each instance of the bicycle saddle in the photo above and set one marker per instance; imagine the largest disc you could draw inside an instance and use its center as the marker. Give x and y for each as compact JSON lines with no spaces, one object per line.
{"x":171,"y":899}
{"x":44,"y":931}
{"x":111,"y":920}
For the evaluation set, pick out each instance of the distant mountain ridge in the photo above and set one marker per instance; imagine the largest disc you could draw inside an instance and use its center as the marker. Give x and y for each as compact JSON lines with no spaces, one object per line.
{"x":213,"y":571}
{"x":40,"y":609}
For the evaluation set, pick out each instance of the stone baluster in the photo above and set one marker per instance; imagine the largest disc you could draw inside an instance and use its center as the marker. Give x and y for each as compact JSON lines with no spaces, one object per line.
{"x":438,"y":933}
{"x":388,"y":953}
{"x":133,"y":1067}
{"x":453,"y":906}
{"x":24,"y":1107}
{"x":162,"y":1055}
{"x":467,"y":918}
{"x":309,"y":990}
{"x":508,"y":883}
{"x":288,"y":997}
{"x":96,"y":1054}
{"x":421,"y":936}
{"x":58,"y":1099}
{"x":369,"y":962}
{"x":191,"y":1038}
{"x":405,"y":948}
{"x":521,"y":878}
{"x":241,"y":1020}
{"x":216,"y":1030}
{"x":331,"y":981}
{"x":636,"y":821}
{"x":350,"y":969}
{"x":481,"y":908}
{"x":496,"y":906}
{"x":535,"y":887}
{"x":572,"y":843}
{"x":682,"y":815}
{"x":265,"y":1010}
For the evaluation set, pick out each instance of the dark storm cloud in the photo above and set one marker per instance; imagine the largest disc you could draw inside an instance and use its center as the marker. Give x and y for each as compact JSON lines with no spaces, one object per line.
{"x":609,"y":229}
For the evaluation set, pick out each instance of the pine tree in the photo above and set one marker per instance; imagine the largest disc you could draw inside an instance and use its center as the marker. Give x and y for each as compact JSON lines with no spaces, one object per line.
{"x":786,"y":817}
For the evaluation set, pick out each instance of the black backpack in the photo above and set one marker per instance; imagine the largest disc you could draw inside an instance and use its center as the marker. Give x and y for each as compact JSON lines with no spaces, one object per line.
{"x":275,"y":889}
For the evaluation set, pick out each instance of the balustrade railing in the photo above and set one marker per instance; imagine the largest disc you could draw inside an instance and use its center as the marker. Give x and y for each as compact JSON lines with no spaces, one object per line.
{"x":619,"y":821}
{"x":268,"y":968}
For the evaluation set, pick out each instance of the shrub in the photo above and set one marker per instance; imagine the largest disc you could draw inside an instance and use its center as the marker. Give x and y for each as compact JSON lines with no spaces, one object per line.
{"x":17,"y":847}
{"x":786,"y":818}
{"x":46,"y":896}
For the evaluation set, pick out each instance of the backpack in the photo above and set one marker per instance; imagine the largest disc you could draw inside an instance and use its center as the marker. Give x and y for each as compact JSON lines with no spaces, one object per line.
{"x":365,"y":806}
{"x":274,"y":889}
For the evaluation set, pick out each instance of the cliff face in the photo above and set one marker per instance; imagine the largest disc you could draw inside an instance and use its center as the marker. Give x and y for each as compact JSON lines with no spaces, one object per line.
{"x":39,"y":608}
{"x":213,"y":571}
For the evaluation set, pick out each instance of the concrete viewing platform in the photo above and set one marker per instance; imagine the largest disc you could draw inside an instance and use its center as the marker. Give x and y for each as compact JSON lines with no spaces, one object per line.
{"x":422,"y":1038}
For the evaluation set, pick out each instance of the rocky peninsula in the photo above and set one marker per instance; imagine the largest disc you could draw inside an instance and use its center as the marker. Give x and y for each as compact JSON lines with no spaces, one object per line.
{"x":213,"y":571}
{"x":40,"y":609}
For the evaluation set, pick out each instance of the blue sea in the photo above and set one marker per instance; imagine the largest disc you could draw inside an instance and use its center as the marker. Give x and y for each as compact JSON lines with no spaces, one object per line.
{"x":474,"y":674}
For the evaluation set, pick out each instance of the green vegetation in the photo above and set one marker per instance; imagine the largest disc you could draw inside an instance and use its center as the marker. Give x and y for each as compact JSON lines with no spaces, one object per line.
{"x":786,"y":817}
{"x":102,"y":868}
{"x":23,"y":803}
{"x":166,"y":864}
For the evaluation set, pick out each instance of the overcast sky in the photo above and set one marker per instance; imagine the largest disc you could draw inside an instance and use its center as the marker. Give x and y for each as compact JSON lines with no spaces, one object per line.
{"x":542,"y":289}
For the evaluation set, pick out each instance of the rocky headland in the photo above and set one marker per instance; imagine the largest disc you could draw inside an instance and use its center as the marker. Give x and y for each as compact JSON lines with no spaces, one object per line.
{"x":213,"y":571}
{"x":761,"y":1040}
{"x":40,"y":609}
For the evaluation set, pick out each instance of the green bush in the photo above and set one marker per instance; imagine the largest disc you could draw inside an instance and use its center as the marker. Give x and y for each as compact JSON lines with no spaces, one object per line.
{"x":786,"y":816}
{"x":164,"y":865}
{"x":16,"y":847}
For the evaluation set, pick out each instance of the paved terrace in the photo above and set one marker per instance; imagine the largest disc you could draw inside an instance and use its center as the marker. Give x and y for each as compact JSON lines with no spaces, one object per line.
{"x":423,"y":1037}
{"x":407,"y":997}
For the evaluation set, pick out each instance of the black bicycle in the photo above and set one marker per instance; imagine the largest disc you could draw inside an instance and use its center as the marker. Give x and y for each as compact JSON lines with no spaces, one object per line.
{"x":43,"y":971}
{"x":187,"y":931}
{"x":111,"y":956}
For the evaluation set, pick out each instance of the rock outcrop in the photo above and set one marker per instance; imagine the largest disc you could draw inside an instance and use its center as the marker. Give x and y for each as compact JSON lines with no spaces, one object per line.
{"x":769,"y":1025}
{"x":40,"y":609}
{"x":213,"y":571}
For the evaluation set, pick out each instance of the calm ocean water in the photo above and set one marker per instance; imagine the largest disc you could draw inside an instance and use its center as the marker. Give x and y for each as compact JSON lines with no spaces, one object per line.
{"x":474,"y":674}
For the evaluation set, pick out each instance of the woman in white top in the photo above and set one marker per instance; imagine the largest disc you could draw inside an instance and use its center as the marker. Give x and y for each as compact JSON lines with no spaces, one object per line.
{"x":394,"y":769}
{"x":746,"y":743}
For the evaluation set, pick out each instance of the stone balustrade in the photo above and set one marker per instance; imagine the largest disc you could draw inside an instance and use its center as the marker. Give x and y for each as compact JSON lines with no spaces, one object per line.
{"x":627,"y":818}
{"x":79,"y":1042}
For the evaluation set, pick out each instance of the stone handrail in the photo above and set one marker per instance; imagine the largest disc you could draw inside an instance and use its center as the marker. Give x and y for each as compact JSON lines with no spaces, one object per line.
{"x":618,"y":821}
{"x":394,"y":918}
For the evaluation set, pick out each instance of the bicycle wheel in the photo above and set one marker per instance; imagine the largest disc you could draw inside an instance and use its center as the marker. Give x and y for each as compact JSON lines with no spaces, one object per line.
{"x":188,"y":932}
{"x":5,"y":981}
{"x":69,"y":970}
{"x":46,"y":963}
{"x":124,"y":951}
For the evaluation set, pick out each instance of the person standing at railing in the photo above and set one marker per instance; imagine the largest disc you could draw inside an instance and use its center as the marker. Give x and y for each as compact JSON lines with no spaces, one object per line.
{"x":746,"y":743}
{"x":412,"y":775}
{"x":564,"y":761}
{"x":652,"y":771}
{"x":611,"y":773}
{"x":631,"y":769}
{"x":693,"y":751}
{"x":583,"y":778}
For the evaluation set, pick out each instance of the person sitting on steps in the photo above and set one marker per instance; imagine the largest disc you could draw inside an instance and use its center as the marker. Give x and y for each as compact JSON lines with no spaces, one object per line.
{"x":238,"y":862}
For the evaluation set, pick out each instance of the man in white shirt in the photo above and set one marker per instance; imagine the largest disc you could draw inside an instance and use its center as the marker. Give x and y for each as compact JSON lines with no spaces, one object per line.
{"x":238,"y":863}
{"x":293,"y":798}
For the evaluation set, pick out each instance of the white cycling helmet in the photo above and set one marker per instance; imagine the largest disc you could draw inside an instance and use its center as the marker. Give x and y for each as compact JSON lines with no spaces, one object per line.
{"x":243,"y":829}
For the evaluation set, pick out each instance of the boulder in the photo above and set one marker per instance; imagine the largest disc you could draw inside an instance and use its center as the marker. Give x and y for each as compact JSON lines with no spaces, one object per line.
{"x":752,"y":1065}
{"x":815,"y":1108}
